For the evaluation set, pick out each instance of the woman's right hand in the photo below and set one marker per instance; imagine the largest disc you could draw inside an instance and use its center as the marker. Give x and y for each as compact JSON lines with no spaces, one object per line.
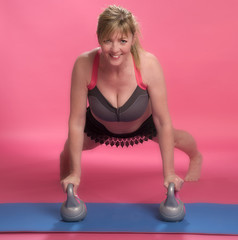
{"x":178,"y":182}
{"x":71,"y":178}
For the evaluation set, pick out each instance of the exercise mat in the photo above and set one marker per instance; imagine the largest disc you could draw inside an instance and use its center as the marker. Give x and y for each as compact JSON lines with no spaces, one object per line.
{"x":205,"y":218}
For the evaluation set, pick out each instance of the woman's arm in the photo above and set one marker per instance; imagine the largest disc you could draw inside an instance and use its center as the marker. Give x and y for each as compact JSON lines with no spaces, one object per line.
{"x":162,"y":120}
{"x":78,"y":104}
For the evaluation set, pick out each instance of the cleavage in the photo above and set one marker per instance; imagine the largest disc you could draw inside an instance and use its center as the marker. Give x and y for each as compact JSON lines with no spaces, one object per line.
{"x":114,"y":98}
{"x":121,"y":105}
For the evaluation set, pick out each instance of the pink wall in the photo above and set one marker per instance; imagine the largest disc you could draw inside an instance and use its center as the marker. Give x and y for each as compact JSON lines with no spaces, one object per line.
{"x":195,"y":41}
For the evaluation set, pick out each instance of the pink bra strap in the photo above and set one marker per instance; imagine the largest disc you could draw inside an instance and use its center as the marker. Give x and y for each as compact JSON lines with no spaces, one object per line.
{"x":94,"y":77}
{"x":139,"y":78}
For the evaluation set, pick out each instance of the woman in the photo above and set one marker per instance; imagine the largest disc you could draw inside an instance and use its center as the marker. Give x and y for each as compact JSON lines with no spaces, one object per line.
{"x":127,"y":101}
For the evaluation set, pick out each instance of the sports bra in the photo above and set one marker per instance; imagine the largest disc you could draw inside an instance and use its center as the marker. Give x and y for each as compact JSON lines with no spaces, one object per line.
{"x":133,"y":108}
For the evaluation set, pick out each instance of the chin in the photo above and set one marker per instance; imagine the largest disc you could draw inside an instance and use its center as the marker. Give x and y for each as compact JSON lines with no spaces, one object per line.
{"x":117,"y":61}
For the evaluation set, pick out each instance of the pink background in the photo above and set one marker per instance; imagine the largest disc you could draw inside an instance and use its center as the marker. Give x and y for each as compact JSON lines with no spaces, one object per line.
{"x":196,"y":43}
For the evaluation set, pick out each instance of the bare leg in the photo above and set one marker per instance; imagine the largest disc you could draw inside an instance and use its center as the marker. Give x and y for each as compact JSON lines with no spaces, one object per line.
{"x":64,"y":156}
{"x":186,"y":143}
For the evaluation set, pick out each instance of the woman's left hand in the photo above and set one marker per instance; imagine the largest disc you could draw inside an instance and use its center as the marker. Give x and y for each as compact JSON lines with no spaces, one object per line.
{"x":178,"y":182}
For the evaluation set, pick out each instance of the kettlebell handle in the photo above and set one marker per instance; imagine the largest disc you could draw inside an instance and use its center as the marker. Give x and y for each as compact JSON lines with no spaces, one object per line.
{"x":171,"y":189}
{"x":70,"y":189}
{"x":71,"y":201}
{"x":171,"y":196}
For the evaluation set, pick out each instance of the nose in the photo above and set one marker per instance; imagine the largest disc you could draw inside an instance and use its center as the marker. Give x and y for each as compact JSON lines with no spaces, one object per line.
{"x":115,"y":47}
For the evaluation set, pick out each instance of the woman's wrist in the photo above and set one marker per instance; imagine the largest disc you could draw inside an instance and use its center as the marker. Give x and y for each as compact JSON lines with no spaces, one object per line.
{"x":169,"y":173}
{"x":75,"y":173}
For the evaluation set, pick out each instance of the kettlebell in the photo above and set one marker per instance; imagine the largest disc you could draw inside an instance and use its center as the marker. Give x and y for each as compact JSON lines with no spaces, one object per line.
{"x":172,"y":209}
{"x":73,"y":209}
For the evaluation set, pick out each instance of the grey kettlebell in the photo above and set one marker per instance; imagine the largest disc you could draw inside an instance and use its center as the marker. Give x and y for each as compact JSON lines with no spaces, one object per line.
{"x":73,"y":209}
{"x":172,"y":209}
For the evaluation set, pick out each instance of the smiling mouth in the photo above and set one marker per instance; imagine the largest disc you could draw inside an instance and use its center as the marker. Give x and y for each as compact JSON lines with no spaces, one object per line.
{"x":115,"y":56}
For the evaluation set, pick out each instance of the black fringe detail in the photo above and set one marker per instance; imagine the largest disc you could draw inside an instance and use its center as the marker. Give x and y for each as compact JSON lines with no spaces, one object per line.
{"x":97,"y":132}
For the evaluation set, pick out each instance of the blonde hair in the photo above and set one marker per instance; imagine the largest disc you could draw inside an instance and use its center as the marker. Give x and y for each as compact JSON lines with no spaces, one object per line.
{"x":115,"y":18}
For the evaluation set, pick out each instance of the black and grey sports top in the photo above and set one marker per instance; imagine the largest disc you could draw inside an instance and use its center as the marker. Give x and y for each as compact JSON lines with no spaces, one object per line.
{"x":134,"y":107}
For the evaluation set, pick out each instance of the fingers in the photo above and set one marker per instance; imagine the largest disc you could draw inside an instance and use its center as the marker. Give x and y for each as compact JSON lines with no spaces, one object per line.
{"x":64,"y":185}
{"x":166,"y":184}
{"x":178,"y":182}
{"x":75,"y":190}
{"x":75,"y":180}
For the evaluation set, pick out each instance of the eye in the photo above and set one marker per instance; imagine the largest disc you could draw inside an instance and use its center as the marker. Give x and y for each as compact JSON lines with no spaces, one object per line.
{"x":106,"y":41}
{"x":123,"y":41}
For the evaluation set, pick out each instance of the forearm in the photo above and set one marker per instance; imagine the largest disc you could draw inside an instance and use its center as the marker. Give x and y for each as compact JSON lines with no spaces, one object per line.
{"x":166,"y":143}
{"x":76,"y":138}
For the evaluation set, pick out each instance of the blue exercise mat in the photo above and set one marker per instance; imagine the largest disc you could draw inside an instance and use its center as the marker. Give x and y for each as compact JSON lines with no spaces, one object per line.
{"x":119,"y":217}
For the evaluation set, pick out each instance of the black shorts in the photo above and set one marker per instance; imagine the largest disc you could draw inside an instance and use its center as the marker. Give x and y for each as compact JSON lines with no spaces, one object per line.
{"x":97,"y":132}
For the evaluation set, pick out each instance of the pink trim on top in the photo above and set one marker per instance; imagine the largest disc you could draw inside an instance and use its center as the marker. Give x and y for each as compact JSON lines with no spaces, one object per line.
{"x":93,"y":82}
{"x":139,"y":78}
{"x":94,"y":77}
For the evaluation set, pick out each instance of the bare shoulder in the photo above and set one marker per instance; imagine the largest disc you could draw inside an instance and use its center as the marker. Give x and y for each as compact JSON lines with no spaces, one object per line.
{"x":86,"y":57}
{"x":83,"y":65}
{"x":151,"y":69}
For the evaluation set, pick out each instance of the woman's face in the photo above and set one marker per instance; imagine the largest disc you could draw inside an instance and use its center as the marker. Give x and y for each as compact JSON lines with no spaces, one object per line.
{"x":117,"y":47}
